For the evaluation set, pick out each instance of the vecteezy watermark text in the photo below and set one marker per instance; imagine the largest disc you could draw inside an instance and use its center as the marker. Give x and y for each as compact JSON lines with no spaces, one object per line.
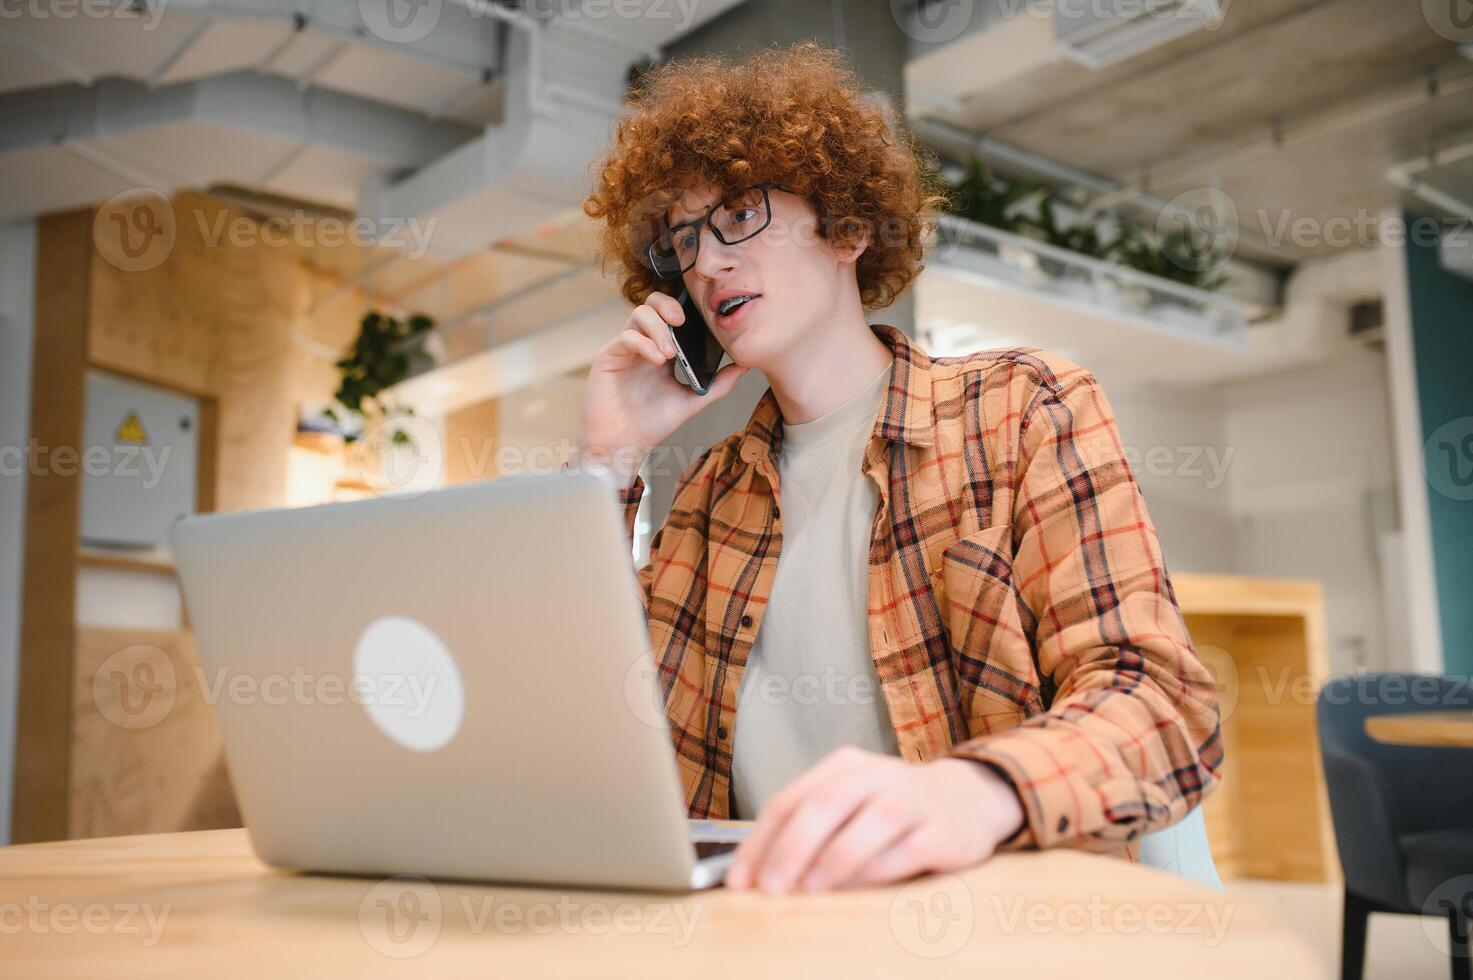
{"x":151,"y":13}
{"x":38,"y":459}
{"x":411,"y":236}
{"x":403,"y":916}
{"x":39,"y":917}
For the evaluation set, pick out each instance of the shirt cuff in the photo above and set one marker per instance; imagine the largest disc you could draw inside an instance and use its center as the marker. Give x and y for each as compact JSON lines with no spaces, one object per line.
{"x":1051,"y":803}
{"x":629,"y":499}
{"x":631,"y":494}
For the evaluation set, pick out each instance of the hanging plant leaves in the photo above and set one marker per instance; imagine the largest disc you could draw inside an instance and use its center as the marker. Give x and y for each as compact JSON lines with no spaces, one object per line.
{"x":378,"y":359}
{"x":984,"y":197}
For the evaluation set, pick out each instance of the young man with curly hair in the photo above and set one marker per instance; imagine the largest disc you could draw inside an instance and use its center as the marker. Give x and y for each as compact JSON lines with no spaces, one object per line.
{"x":914,"y":611}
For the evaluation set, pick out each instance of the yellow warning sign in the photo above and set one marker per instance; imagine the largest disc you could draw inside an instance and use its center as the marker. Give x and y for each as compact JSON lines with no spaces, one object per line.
{"x":131,"y":431}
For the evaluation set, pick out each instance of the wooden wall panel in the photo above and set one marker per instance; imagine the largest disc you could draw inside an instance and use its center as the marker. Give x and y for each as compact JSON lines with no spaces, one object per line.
{"x":215,"y":318}
{"x":53,"y":509}
{"x":211,"y":316}
{"x":154,"y":317}
{"x":258,"y":300}
{"x":145,"y":749}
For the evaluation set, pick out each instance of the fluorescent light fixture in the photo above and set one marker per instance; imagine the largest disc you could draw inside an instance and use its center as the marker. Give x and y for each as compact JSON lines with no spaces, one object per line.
{"x":1101,"y":35}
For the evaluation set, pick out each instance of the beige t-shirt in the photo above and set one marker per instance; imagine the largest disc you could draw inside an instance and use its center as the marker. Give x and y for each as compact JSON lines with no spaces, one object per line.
{"x":809,"y":686}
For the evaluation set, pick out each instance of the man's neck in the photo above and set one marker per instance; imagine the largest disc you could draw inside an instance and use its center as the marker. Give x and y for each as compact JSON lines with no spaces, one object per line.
{"x":830,"y":363}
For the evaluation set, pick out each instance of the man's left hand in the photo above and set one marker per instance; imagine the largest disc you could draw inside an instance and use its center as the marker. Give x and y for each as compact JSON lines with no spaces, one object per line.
{"x":861,"y":818}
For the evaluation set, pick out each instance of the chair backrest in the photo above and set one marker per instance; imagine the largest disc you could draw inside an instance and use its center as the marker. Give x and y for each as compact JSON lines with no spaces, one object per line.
{"x":1182,"y":849}
{"x":1378,"y":791}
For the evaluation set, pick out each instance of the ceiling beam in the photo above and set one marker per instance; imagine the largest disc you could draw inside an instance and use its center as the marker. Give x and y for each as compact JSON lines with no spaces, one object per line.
{"x":1449,"y":79}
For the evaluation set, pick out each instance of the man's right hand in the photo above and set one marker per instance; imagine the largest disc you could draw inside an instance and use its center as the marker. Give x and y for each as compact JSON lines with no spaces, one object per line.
{"x":632,"y":402}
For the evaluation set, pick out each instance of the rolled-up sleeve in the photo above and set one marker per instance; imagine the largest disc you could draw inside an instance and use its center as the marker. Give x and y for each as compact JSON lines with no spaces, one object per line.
{"x":1131,"y":741}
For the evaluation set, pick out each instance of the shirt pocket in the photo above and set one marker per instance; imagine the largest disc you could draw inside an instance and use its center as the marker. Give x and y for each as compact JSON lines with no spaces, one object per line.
{"x":990,"y":648}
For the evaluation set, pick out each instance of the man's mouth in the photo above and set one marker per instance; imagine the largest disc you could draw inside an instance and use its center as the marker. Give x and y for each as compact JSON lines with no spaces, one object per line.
{"x":731,"y":304}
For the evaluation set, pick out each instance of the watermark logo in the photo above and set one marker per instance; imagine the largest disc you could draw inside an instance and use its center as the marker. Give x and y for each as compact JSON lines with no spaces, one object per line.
{"x":933,"y":22}
{"x":41,"y":918}
{"x":1224,"y":671}
{"x":682,"y":12}
{"x":403,"y":916}
{"x":400,"y":21}
{"x":642,"y":693}
{"x":933,"y":917}
{"x":400,"y":917}
{"x":137,"y":688}
{"x":1451,"y":19}
{"x":1447,"y":459}
{"x":402,"y":456}
{"x":121,"y":460}
{"x":1358,"y":229}
{"x":134,"y":688}
{"x":1449,"y":936}
{"x":151,"y":12}
{"x":1198,"y":229}
{"x":1099,"y":916}
{"x":134,"y":230}
{"x":410,"y":237}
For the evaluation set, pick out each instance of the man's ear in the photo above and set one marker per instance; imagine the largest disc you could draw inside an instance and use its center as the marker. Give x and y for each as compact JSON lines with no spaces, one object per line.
{"x":852,"y":251}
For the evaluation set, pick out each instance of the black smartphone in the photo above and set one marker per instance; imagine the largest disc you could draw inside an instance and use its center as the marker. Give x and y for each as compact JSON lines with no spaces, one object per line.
{"x":697,"y":354}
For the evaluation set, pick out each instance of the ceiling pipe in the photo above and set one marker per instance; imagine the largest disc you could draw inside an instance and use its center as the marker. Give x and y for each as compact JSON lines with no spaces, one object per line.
{"x":1449,"y":79}
{"x":1407,"y":176}
{"x":344,"y":22}
{"x":41,"y":54}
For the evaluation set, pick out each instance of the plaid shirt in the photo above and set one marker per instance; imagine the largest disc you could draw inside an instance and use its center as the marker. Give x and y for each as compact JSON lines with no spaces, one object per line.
{"x":1019,"y":610}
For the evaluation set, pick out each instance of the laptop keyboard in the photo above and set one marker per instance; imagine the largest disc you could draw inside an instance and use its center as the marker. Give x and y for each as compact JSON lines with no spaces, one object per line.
{"x":711,"y":848}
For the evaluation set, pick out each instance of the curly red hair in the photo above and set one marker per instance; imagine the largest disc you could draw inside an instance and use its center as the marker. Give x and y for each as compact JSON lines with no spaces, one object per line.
{"x":796,"y":117}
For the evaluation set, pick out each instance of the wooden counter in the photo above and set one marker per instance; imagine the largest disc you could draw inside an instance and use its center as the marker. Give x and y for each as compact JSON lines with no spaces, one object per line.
{"x":200,"y":904}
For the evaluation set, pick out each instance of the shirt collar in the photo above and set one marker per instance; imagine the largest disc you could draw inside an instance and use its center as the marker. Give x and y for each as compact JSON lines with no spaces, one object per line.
{"x":905,"y":416}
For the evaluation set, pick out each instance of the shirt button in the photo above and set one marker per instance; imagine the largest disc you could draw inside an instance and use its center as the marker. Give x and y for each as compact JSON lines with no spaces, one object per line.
{"x":1063,"y":824}
{"x":747,"y":621}
{"x":721,"y":731}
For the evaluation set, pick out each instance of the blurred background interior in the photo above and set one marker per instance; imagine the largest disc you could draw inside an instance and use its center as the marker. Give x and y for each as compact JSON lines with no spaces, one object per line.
{"x":282,"y":252}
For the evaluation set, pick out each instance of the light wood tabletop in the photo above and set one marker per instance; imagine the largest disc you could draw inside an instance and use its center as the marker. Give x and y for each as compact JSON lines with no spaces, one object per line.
{"x":200,"y":904}
{"x":1429,"y":729}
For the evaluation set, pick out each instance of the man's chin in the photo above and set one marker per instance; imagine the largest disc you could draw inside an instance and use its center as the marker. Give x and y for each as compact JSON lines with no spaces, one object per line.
{"x":756,"y":350}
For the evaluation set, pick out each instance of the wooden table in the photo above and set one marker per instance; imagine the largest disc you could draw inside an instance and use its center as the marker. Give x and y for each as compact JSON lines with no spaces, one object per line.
{"x":200,"y":904}
{"x":1431,"y":729}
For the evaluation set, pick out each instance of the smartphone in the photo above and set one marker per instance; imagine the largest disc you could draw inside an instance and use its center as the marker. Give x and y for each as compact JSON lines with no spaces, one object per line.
{"x":697,"y":354}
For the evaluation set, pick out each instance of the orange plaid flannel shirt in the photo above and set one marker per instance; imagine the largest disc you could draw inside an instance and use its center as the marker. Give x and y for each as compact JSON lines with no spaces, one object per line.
{"x":1019,"y":610}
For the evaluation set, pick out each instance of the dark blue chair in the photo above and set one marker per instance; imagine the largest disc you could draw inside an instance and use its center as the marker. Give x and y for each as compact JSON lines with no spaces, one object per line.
{"x":1403,"y":815}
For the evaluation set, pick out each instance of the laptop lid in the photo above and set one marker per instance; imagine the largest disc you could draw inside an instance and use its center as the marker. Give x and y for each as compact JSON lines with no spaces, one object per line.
{"x":456,"y":684}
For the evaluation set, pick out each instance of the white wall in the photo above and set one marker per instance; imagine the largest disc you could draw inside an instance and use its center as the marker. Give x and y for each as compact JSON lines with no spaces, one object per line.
{"x":1176,"y":442}
{"x":17,"y":326}
{"x":536,"y":425}
{"x":1313,"y":494}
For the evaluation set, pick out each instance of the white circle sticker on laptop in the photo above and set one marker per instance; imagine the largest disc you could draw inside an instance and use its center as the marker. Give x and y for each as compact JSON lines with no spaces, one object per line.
{"x":407,"y":681}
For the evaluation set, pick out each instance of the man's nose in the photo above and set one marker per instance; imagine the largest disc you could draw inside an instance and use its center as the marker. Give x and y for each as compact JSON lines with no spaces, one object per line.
{"x":714,"y":256}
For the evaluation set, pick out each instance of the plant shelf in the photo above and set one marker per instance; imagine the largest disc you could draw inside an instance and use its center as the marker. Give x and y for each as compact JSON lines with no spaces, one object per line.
{"x":1013,"y":262}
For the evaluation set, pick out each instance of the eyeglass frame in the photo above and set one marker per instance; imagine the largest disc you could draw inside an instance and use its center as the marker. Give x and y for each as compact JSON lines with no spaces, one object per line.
{"x":705,"y":219}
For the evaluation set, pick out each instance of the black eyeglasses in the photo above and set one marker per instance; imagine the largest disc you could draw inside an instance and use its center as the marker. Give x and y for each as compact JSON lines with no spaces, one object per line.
{"x":733,"y":221}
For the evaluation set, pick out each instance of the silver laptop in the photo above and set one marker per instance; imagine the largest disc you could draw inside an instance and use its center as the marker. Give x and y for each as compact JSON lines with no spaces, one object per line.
{"x":457,"y":684}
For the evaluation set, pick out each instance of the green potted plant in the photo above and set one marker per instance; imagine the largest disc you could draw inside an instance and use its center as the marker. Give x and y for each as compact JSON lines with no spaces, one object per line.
{"x":386,"y":351}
